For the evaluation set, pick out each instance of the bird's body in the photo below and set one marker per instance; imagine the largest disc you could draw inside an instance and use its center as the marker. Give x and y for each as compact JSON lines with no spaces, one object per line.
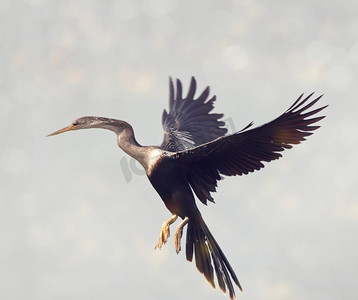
{"x":176,"y":192}
{"x":194,"y":155}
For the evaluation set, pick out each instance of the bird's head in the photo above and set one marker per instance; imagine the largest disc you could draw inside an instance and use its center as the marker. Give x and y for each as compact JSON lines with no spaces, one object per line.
{"x":81,"y":123}
{"x":94,"y":122}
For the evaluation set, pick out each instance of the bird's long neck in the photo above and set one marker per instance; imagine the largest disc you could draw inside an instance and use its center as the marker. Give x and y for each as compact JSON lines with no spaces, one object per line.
{"x":127,"y":142}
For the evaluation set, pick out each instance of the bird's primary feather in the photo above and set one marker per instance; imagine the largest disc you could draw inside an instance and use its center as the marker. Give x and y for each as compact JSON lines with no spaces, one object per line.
{"x":189,"y":122}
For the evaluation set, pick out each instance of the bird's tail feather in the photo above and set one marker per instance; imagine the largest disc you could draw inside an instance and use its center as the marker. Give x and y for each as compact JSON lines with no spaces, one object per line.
{"x":200,"y":241}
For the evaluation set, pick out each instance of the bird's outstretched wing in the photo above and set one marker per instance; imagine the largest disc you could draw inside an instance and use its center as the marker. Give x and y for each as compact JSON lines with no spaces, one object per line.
{"x":245,"y":151}
{"x":189,"y":122}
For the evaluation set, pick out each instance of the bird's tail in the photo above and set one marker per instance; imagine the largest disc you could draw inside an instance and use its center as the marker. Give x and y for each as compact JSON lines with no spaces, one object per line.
{"x":200,"y":241}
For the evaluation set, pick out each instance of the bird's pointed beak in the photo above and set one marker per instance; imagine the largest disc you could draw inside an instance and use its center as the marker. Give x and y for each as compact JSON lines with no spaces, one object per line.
{"x":68,"y":128}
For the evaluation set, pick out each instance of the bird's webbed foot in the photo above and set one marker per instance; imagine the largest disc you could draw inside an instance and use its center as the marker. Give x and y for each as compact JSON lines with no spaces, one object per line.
{"x":178,"y":234}
{"x":165,"y":232}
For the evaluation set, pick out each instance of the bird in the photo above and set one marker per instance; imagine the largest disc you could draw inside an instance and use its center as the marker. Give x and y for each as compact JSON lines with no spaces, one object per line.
{"x":196,"y":153}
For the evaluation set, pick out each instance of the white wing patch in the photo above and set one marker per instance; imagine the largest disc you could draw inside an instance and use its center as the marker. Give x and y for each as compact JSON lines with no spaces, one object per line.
{"x":154,"y":156}
{"x":185,"y":136}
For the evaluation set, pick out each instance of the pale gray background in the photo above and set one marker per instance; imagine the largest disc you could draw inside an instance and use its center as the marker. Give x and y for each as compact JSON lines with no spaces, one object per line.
{"x":71,"y":225}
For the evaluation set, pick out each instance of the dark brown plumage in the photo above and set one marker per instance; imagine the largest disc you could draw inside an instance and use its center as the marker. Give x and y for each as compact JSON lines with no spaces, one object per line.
{"x":193,"y":157}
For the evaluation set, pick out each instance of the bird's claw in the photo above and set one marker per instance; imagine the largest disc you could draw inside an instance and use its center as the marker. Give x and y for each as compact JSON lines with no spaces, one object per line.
{"x":178,"y":234}
{"x":163,"y":236}
{"x":177,"y":239}
{"x":165,"y":232}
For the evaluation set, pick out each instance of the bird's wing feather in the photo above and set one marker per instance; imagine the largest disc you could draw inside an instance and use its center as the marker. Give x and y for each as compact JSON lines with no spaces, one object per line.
{"x":245,"y":151}
{"x":189,"y":122}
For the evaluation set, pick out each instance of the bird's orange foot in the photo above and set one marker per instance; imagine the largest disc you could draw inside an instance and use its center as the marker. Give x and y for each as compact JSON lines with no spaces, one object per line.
{"x":165,"y":232}
{"x":178,"y":234}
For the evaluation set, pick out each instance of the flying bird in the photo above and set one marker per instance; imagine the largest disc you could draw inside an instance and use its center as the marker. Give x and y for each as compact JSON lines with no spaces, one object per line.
{"x":195,"y":154}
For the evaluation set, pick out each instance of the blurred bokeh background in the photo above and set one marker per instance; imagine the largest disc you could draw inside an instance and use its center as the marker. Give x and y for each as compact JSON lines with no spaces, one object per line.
{"x":80,"y":221}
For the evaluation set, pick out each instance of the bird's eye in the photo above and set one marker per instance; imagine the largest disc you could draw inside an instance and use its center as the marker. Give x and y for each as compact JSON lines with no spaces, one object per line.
{"x":75,"y":123}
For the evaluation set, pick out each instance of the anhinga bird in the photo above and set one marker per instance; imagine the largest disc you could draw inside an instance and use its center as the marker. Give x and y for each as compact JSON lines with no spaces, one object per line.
{"x":194,"y":155}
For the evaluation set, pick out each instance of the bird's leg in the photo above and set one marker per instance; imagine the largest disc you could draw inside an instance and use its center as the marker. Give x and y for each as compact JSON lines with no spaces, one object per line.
{"x":178,"y":234}
{"x":165,"y":232}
